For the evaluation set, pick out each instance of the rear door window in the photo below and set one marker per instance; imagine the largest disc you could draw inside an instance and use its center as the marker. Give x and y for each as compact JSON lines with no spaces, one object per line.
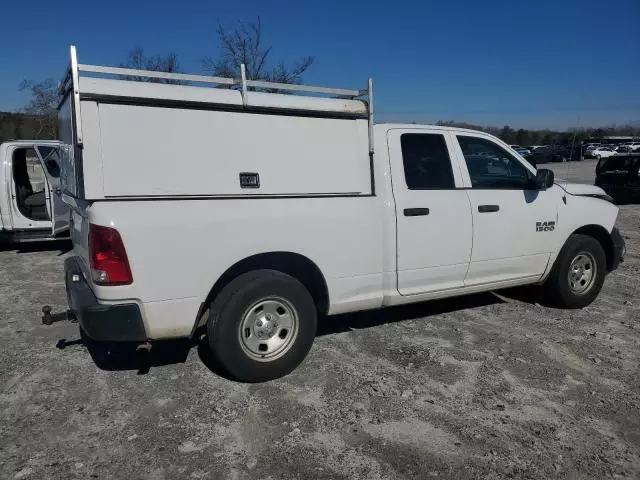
{"x":427,"y":165}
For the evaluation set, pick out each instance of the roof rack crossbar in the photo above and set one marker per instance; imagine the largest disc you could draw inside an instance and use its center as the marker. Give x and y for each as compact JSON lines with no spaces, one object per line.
{"x":294,"y":87}
{"x":291,"y":87}
{"x":133,"y":72}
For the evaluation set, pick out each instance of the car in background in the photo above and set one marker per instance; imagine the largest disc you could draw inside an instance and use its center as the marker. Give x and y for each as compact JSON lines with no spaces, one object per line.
{"x":542,"y":154}
{"x":619,"y":176}
{"x":624,"y":148}
{"x":523,"y":151}
{"x":554,"y":153}
{"x":602,"y":152}
{"x":588,"y":149}
{"x":31,"y":207}
{"x":567,"y":153}
{"x":628,"y":147}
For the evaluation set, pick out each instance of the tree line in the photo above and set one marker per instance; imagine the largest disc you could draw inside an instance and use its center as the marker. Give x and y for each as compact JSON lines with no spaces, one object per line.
{"x":527,"y":137}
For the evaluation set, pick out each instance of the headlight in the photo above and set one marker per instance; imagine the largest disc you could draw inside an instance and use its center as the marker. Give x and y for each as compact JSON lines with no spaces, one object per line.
{"x":600,"y":196}
{"x":606,"y":197}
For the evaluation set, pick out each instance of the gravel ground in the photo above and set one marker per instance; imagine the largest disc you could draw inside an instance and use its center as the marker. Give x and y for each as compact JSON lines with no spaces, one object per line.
{"x":486,"y":386}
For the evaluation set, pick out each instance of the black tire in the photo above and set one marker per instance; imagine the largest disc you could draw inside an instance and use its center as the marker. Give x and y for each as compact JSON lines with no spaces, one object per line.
{"x":558,"y":284}
{"x":232,"y":305}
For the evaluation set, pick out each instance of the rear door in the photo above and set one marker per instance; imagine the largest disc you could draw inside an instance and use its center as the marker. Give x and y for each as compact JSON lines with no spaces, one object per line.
{"x":50,"y":157}
{"x":433,"y":216}
{"x":513,"y":222}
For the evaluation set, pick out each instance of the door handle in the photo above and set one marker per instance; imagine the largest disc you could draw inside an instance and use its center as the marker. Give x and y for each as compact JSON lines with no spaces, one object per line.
{"x":415,"y":212}
{"x":488,"y":208}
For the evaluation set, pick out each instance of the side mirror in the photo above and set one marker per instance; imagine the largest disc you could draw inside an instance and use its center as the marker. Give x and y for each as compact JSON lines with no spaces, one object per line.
{"x":544,"y":178}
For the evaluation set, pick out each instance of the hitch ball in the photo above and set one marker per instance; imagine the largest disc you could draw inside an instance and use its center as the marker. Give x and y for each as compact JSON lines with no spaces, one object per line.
{"x":47,"y":319}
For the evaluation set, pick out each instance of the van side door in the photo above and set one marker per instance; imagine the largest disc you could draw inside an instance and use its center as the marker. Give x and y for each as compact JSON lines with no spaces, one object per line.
{"x":50,"y":158}
{"x":513,"y":221}
{"x":433,"y":216}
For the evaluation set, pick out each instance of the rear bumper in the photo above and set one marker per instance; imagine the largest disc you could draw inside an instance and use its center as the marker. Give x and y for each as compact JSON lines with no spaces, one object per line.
{"x":117,"y":323}
{"x":619,"y":248}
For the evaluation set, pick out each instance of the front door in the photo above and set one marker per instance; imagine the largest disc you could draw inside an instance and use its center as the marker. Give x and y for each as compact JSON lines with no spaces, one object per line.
{"x":29,"y":206}
{"x":513,"y":221}
{"x":433,"y":217}
{"x":50,"y":159}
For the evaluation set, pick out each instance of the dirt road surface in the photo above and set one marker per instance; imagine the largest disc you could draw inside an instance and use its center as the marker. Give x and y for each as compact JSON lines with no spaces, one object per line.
{"x":486,"y":386}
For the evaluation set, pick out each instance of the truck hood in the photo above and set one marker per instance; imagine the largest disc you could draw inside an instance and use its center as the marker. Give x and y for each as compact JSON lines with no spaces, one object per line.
{"x":582,"y":189}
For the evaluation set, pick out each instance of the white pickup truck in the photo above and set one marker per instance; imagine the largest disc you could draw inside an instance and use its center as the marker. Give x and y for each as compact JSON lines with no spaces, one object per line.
{"x":30,"y":205}
{"x":250,"y":214}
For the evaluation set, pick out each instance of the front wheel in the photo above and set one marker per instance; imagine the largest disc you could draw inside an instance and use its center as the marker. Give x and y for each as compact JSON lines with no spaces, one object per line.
{"x":598,"y":157}
{"x":262,"y":325}
{"x":578,"y":274}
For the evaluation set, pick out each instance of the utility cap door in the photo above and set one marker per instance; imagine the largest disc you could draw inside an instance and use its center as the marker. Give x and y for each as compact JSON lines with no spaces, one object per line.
{"x":49,"y":156}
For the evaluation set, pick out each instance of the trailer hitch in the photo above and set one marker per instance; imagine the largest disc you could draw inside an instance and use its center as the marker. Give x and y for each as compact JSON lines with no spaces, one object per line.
{"x":49,"y":319}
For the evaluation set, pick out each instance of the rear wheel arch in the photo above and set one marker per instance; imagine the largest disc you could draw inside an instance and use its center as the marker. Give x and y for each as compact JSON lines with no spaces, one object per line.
{"x":296,"y":265}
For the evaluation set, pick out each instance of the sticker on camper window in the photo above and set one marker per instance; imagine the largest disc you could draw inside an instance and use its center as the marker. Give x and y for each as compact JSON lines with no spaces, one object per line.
{"x":249,"y":180}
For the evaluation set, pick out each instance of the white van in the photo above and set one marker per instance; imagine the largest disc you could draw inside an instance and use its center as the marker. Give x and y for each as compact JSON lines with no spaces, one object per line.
{"x":30,"y":205}
{"x":250,"y":214}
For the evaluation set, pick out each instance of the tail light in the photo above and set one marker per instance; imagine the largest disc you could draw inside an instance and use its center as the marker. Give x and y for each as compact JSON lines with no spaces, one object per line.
{"x":108,"y":258}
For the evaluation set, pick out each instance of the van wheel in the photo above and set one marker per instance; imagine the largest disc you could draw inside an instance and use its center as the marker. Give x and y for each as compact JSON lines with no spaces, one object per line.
{"x":578,"y":274}
{"x":262,"y":325}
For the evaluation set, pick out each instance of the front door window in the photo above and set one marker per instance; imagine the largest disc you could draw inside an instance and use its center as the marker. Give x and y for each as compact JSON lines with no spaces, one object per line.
{"x":492,"y":167}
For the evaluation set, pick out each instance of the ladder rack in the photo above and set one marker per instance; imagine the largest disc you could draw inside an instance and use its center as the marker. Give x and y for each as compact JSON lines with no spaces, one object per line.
{"x":245,"y":86}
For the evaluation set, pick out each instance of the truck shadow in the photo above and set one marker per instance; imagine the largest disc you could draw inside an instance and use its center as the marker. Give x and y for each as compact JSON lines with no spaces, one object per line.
{"x":374,"y":318}
{"x":119,"y":356}
{"x":114,"y":356}
{"x":63,"y":246}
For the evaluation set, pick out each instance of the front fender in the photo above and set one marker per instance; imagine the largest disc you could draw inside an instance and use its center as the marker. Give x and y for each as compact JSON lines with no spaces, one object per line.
{"x":582,"y":214}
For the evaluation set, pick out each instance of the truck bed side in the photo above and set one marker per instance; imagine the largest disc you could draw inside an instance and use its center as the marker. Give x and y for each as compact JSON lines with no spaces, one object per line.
{"x":178,"y":249}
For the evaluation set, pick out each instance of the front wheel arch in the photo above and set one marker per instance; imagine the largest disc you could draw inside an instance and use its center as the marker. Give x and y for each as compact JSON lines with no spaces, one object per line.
{"x":563,"y":283}
{"x":599,"y":233}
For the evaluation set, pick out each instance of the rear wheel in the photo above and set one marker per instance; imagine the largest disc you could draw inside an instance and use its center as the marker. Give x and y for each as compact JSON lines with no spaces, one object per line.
{"x":578,"y":274}
{"x":262,"y":325}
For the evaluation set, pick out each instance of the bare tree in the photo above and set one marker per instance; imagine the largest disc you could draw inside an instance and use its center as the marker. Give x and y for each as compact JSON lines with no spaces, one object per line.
{"x":245,"y":45}
{"x":157,"y":63}
{"x":42,"y":106}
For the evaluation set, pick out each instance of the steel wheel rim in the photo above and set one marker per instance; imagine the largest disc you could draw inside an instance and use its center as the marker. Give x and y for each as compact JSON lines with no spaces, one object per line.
{"x":582,"y":273}
{"x":268,"y":329}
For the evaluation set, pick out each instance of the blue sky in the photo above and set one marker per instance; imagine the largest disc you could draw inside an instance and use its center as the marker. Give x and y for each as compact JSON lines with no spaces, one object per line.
{"x":541,"y":63}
